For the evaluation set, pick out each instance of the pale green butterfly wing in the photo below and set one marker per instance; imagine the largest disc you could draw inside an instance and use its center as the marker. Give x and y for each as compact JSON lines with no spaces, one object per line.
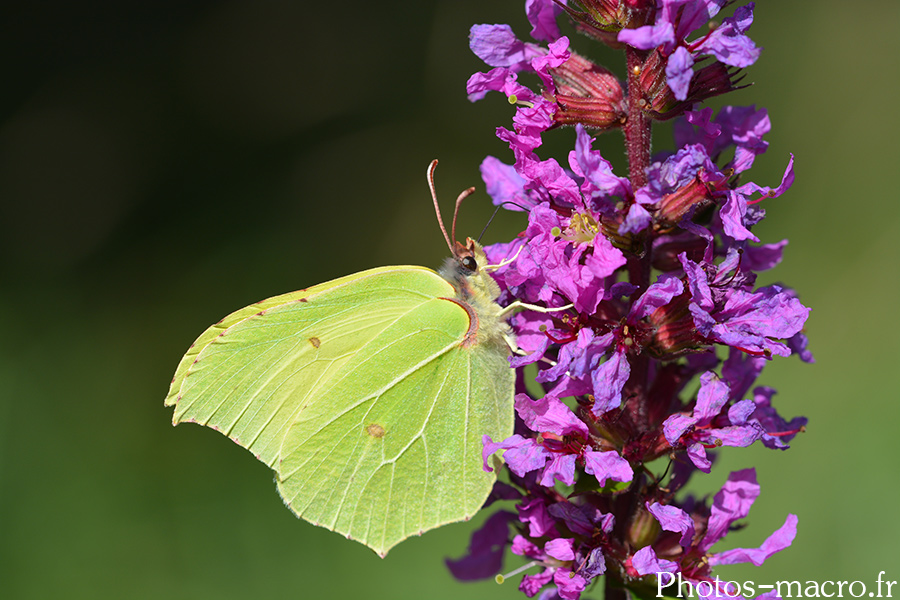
{"x":250,"y":374}
{"x":408,"y":451}
{"x":386,"y":337}
{"x":208,"y":336}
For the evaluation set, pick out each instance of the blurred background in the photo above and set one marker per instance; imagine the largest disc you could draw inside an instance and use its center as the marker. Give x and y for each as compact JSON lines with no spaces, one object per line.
{"x":164,"y":163}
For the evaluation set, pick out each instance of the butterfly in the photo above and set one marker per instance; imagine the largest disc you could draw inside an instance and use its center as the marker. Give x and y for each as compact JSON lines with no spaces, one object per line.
{"x":368,"y":395}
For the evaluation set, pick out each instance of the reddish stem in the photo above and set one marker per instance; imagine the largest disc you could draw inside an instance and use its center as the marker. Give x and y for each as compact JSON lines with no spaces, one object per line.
{"x":637,"y":147}
{"x":638,"y":125}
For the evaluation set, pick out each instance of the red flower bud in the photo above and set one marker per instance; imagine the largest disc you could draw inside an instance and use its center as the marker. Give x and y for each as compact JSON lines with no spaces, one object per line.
{"x":657,"y":98}
{"x":676,"y":334}
{"x":603,"y":19}
{"x":588,"y":94}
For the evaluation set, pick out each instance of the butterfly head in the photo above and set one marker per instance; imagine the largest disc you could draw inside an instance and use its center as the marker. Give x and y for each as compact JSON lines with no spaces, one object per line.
{"x":466,"y":271}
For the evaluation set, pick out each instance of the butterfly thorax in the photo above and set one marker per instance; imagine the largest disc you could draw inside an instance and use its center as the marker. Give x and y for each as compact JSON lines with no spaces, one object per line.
{"x":477,"y":292}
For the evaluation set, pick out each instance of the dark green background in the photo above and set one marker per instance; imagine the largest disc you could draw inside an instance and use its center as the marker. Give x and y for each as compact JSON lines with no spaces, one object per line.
{"x":163,"y":164}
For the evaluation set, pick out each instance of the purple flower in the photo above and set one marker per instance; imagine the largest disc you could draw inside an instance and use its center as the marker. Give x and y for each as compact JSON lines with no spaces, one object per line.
{"x":732,"y":503}
{"x":778,"y":541}
{"x":672,"y":518}
{"x":740,"y":126}
{"x":610,"y":377}
{"x":693,"y":559}
{"x":679,"y":70}
{"x":600,"y":187}
{"x":511,"y":57}
{"x":505,"y":185}
{"x":570,"y":563}
{"x":778,"y":431}
{"x":699,"y":430}
{"x":677,"y":186}
{"x":749,"y":321}
{"x":542,"y":15}
{"x":534,"y":512}
{"x":498,"y":46}
{"x":728,"y":43}
{"x":645,"y":562}
{"x":562,"y":257}
{"x":558,"y":552}
{"x":564,"y":440}
{"x":486,"y":550}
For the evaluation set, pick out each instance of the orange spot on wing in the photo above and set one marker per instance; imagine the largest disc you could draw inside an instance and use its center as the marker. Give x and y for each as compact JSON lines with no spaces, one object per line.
{"x":471,"y":337}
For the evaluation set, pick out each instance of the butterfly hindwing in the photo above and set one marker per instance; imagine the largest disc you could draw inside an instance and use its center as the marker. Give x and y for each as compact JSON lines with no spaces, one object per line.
{"x":409,"y":455}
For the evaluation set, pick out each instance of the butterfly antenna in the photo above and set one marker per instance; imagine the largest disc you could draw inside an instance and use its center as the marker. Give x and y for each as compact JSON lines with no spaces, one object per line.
{"x":488,"y":224}
{"x":519,"y":206}
{"x":437,"y":209}
{"x":496,"y":210}
{"x":462,"y":196}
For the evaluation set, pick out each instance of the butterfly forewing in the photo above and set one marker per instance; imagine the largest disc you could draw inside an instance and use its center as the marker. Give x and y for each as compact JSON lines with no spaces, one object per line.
{"x":250,"y":375}
{"x":235,"y":318}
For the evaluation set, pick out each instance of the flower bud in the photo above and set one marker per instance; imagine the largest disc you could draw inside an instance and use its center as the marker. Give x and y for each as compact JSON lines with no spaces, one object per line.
{"x":603,"y":19}
{"x":589,"y":94}
{"x":657,"y":97}
{"x":628,"y":242}
{"x":676,"y":334}
{"x":643,"y":528}
{"x":691,"y":197}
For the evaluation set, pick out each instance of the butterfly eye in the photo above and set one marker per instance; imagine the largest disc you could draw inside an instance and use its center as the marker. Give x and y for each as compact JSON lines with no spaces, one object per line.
{"x":469,"y":263}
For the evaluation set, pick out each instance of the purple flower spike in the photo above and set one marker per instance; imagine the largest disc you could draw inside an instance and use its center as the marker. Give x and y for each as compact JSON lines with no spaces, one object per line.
{"x":640,"y":332}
